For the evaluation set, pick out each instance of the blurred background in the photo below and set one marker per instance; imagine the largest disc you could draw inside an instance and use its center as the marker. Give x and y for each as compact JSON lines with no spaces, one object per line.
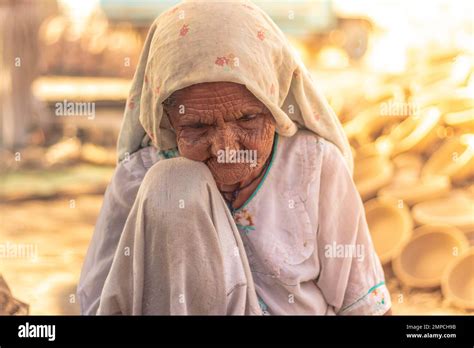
{"x":399,"y":74}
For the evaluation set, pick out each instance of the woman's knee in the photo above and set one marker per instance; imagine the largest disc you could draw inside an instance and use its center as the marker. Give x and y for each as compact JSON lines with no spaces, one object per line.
{"x":180,"y":179}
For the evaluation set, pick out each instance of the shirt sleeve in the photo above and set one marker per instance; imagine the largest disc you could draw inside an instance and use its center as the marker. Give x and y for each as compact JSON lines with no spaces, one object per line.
{"x":351,"y":277}
{"x":118,"y":201}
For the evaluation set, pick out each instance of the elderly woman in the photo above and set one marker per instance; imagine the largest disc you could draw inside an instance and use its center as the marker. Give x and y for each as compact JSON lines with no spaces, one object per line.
{"x":234,"y":190}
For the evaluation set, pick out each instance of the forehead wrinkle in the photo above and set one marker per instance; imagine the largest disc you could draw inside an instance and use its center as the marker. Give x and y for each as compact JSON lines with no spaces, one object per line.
{"x":214,"y":90}
{"x":215,"y":108}
{"x":200,"y":116}
{"x":229,"y":101}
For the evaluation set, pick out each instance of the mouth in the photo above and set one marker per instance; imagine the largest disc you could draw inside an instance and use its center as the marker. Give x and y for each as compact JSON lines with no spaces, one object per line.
{"x":228,"y":173}
{"x":215,"y":163}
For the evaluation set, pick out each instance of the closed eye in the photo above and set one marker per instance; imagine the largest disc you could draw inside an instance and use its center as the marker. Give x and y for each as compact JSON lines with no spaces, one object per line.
{"x":197,"y":125}
{"x":248,"y":117}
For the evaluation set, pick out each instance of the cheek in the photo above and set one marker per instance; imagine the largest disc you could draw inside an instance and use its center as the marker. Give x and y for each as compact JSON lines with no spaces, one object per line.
{"x":194,"y":148}
{"x":258,"y":137}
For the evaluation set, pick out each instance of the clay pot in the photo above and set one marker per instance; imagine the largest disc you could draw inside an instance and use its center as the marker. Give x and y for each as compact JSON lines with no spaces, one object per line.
{"x":456,"y":210}
{"x":415,"y":133}
{"x":447,"y":101}
{"x":408,"y":186}
{"x":368,"y":122}
{"x":463,"y":120}
{"x":459,"y":100}
{"x":423,"y":259}
{"x":372,"y":173}
{"x":457,"y":283}
{"x":413,"y":190}
{"x":408,"y":161}
{"x":454,"y":158}
{"x":390,"y":227}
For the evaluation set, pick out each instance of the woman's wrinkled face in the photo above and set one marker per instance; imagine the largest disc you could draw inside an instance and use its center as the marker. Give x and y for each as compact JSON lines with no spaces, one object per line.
{"x":215,"y":121}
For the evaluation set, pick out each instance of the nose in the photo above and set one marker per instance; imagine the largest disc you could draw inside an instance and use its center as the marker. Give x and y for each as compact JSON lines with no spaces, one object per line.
{"x":223,"y":137}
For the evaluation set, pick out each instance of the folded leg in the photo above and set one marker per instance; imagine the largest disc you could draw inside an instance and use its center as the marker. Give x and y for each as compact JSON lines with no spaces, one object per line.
{"x":180,"y":251}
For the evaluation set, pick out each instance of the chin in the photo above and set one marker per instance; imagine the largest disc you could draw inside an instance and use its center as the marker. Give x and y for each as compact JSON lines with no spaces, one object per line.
{"x":229,"y":174}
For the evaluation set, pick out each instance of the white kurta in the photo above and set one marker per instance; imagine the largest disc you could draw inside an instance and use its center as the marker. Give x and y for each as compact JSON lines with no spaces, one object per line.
{"x":304,"y":232}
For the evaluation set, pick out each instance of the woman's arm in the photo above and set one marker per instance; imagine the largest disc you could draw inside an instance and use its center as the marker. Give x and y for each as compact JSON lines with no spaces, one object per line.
{"x":353,"y":281}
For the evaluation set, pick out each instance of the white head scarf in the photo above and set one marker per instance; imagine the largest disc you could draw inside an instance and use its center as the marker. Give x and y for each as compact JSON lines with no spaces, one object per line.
{"x":235,"y":41}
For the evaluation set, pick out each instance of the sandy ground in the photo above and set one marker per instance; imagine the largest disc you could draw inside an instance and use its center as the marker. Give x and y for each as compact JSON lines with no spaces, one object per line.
{"x":60,"y":231}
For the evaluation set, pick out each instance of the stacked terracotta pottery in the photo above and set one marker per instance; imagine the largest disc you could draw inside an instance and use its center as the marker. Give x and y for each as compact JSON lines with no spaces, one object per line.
{"x":415,"y":173}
